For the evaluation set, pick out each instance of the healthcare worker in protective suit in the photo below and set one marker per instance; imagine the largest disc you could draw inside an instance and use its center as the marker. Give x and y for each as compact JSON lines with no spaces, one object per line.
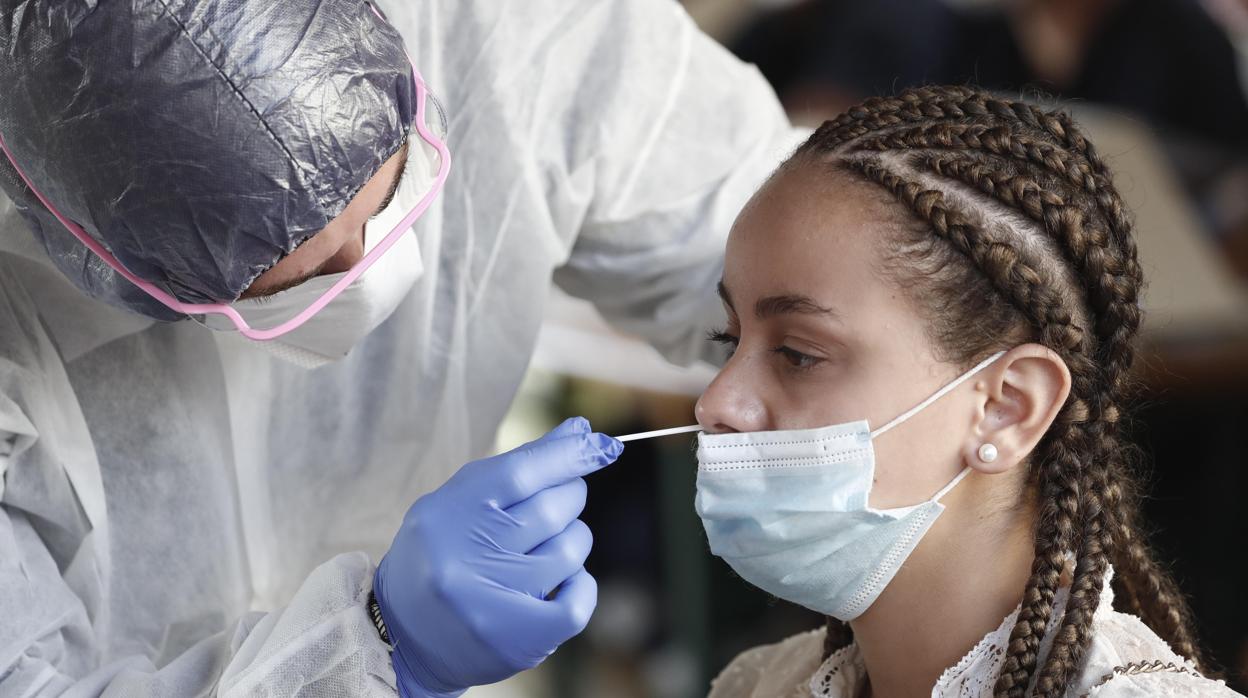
{"x":270,"y":274}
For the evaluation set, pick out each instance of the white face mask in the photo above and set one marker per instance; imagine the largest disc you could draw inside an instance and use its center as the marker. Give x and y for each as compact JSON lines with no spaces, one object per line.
{"x":789,"y":511}
{"x":364,"y":305}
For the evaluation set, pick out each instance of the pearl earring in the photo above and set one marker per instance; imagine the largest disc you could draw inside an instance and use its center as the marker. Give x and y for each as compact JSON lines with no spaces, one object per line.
{"x":987,"y":453}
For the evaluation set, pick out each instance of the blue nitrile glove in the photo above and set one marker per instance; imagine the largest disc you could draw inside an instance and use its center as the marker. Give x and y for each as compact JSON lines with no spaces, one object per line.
{"x":486,"y":577}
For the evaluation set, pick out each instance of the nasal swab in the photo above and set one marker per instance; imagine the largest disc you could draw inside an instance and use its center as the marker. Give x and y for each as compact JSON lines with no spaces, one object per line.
{"x":660,"y":432}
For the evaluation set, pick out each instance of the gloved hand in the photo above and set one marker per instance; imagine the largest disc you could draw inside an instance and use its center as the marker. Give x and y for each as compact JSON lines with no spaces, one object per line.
{"x":486,"y":577}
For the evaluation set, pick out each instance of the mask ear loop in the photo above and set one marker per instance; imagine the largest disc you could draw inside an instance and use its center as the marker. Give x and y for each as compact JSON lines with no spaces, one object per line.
{"x":937,"y":395}
{"x":926,"y":403}
{"x":952,"y":483}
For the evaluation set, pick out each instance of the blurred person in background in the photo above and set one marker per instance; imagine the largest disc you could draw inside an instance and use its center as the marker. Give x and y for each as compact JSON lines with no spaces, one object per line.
{"x":1179,"y":64}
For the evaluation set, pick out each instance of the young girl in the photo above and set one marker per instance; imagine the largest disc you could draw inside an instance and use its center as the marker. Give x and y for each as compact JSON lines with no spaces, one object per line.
{"x":949,"y":280}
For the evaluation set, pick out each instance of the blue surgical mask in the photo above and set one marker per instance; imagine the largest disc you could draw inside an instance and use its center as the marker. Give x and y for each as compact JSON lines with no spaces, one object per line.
{"x":790,"y":511}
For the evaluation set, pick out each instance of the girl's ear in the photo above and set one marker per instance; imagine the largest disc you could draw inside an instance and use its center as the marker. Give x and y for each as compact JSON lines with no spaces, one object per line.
{"x":1021,"y":395}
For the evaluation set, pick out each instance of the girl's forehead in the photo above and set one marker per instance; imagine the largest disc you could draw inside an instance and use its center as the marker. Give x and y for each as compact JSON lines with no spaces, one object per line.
{"x":802,"y":236}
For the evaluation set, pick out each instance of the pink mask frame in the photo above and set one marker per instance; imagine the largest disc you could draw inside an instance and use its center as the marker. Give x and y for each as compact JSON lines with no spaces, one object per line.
{"x":444,"y":168}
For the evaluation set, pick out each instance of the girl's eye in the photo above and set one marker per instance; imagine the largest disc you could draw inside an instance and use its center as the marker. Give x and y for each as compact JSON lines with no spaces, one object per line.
{"x":797,"y":359}
{"x":722,"y":337}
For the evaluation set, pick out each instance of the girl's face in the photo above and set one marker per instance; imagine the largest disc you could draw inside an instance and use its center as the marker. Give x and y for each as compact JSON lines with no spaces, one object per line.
{"x":821,"y":336}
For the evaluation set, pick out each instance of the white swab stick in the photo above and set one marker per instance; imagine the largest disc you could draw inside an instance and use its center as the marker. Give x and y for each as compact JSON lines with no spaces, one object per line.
{"x":660,"y":432}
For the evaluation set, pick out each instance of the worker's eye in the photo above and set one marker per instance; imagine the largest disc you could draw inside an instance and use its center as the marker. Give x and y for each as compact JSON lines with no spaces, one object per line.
{"x":392,"y":194}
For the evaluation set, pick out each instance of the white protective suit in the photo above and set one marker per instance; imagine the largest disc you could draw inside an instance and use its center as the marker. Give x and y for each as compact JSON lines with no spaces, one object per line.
{"x":183,"y":514}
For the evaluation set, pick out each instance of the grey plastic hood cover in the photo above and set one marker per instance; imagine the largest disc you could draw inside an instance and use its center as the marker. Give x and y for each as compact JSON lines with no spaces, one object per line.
{"x":199,"y":140}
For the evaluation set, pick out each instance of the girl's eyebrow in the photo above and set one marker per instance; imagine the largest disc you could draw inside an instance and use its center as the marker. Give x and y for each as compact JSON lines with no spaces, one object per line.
{"x":783,"y":304}
{"x":788,"y":304}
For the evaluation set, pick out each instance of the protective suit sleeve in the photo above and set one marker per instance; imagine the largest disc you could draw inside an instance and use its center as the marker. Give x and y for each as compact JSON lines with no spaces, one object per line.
{"x":57,"y":635}
{"x":682,"y":135}
{"x":321,"y":644}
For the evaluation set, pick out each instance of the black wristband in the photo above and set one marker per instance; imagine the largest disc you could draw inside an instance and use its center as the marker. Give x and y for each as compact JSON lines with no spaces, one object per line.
{"x":374,"y":611}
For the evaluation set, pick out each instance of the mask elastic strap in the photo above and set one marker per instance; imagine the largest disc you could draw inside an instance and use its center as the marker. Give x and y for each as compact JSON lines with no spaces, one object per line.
{"x":937,"y":395}
{"x":953,"y":483}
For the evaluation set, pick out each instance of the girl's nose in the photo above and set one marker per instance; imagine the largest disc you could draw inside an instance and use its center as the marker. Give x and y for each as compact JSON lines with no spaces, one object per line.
{"x":733,"y":401}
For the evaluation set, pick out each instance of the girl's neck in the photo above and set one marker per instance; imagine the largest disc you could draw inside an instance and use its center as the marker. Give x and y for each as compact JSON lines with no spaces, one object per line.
{"x":966,"y":575}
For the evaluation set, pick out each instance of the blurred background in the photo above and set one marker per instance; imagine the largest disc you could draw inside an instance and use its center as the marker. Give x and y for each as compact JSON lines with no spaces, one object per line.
{"x":1162,"y":86}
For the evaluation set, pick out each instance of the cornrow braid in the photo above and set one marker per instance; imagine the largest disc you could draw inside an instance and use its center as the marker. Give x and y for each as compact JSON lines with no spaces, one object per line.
{"x":1114,"y":296}
{"x":1020,"y":214}
{"x":923,"y":104}
{"x":1022,"y":284}
{"x":1106,"y":257}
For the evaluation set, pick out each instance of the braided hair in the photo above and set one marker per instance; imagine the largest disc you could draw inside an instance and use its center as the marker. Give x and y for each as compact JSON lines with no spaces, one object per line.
{"x":1014,"y":233}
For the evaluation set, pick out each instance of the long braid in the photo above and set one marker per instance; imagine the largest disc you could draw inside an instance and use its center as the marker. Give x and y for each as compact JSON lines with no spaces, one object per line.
{"x":1107,"y":261}
{"x":838,"y":634}
{"x":1155,"y":595}
{"x":1063,"y":451}
{"x":1059,"y":500}
{"x":1113,"y":291}
{"x":927,"y":145}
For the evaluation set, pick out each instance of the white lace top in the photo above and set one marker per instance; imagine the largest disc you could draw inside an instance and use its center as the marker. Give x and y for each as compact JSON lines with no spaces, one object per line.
{"x":1125,"y":659}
